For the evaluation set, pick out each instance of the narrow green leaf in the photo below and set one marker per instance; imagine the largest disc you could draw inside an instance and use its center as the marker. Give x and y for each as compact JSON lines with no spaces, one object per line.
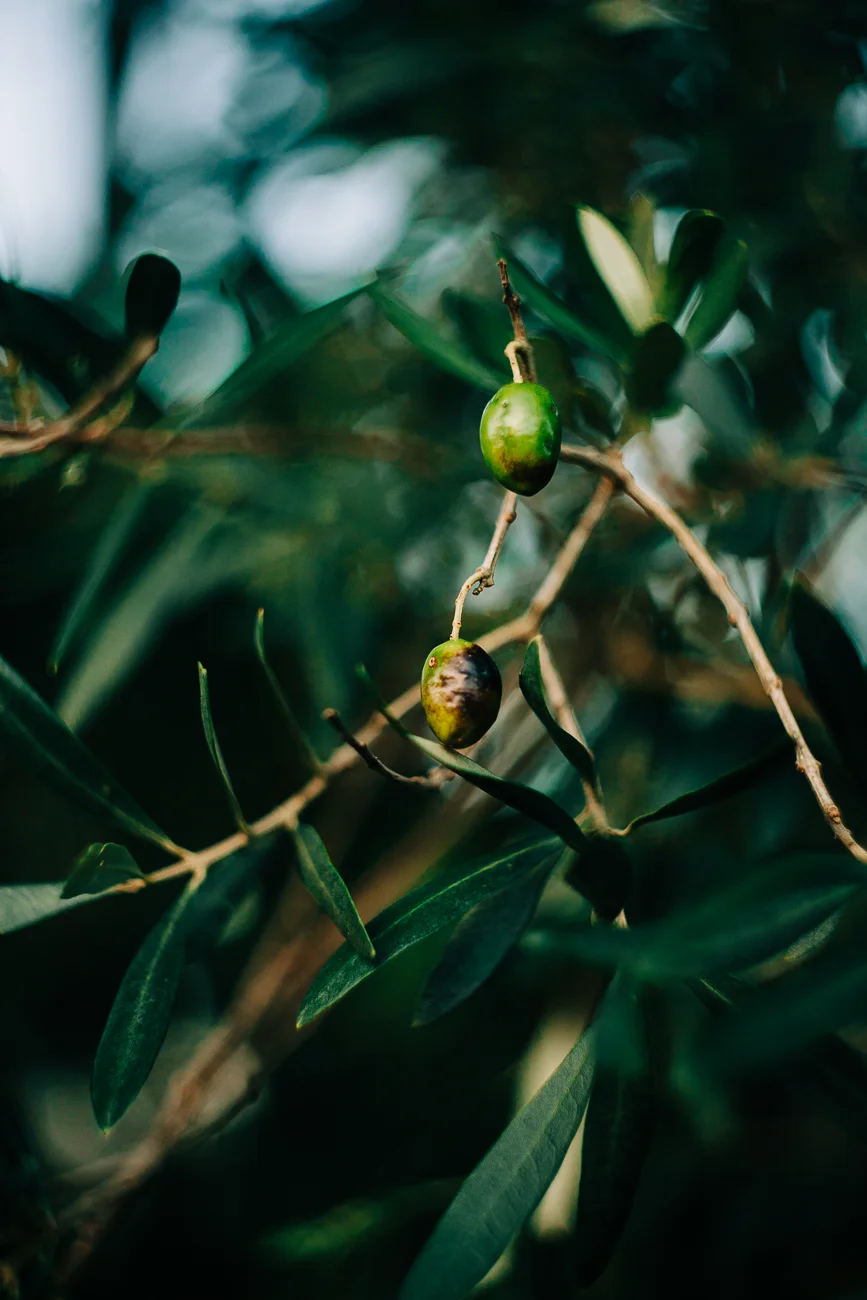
{"x":217,"y":754}
{"x":788,"y":1015}
{"x":99,"y":867}
{"x":723,"y":787}
{"x":268,"y":362}
{"x":504,"y":1190}
{"x":483,"y":326}
{"x":530,"y":682}
{"x":734,"y":929}
{"x":720,"y":293}
{"x":110,"y":545}
{"x":325,"y":883}
{"x":434,"y":345}
{"x":551,"y":308}
{"x":172,"y":577}
{"x":617,"y":1131}
{"x":619,"y":267}
{"x":139,"y":1019}
{"x":283,"y":704}
{"x":152,"y":290}
{"x":417,"y":916}
{"x":479,"y":943}
{"x":23,"y":905}
{"x":36,"y":736}
{"x":641,"y":222}
{"x":651,"y":382}
{"x":695,"y":242}
{"x":834,"y":675}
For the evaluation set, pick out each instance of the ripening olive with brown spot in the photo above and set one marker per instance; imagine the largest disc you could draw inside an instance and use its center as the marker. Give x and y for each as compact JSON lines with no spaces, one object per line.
{"x":460,"y":691}
{"x":520,"y":437}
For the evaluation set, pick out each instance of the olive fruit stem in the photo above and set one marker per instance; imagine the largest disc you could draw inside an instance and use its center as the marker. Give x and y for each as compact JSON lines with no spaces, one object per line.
{"x":484,"y":575}
{"x":520,"y":350}
{"x":610,"y":463}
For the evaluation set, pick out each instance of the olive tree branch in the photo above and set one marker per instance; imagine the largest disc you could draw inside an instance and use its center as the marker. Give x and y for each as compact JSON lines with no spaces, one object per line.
{"x":80,"y":418}
{"x":333,"y":718}
{"x":611,"y":464}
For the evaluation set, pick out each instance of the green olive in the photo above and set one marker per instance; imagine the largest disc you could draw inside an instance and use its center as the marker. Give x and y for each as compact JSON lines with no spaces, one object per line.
{"x":520,"y":437}
{"x":460,"y":692}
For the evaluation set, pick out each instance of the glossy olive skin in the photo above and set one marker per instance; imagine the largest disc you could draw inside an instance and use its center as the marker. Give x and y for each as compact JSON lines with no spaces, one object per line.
{"x":520,"y":437}
{"x":460,"y":691}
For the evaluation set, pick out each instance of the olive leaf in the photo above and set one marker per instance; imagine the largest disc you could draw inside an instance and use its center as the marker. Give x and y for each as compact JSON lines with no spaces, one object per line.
{"x":834,"y":675}
{"x":732,"y":929}
{"x":547,"y":305}
{"x":720,"y":293}
{"x":38,"y":738}
{"x":532,"y":689}
{"x":217,"y":754}
{"x":617,"y":1131}
{"x":619,"y":267}
{"x":268,"y":362}
{"x":722,"y":787}
{"x":227,"y":884}
{"x":479,"y":943}
{"x":152,"y":290}
{"x":420,"y":914}
{"x":325,"y":883}
{"x":655,"y":364}
{"x":139,"y":1018}
{"x":434,"y":345}
{"x":505,"y":1188}
{"x":99,"y":867}
{"x":111,"y":543}
{"x":785,"y":1017}
{"x":292,"y":724}
{"x":695,"y":242}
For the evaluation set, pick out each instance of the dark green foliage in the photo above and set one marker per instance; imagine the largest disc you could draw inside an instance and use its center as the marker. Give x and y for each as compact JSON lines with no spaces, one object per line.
{"x":723,"y":787}
{"x":419,"y":915}
{"x":38,"y":738}
{"x":530,"y":682}
{"x":617,"y":1132}
{"x":834,"y":674}
{"x":502,"y":1192}
{"x":152,"y":290}
{"x":695,"y":242}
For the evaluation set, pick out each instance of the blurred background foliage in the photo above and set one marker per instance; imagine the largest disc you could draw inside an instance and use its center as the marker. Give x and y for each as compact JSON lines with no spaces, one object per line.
{"x":282,"y":152}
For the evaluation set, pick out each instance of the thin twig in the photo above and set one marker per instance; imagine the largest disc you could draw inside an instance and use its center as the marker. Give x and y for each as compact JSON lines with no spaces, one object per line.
{"x":333,"y":718}
{"x":484,"y":574}
{"x":24,"y":440}
{"x":611,"y":464}
{"x":524,"y":362}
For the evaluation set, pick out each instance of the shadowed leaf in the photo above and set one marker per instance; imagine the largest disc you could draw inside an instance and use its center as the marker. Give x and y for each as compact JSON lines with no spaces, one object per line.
{"x":834,"y":675}
{"x":152,"y":291}
{"x":722,"y":787}
{"x":505,"y":1188}
{"x":479,"y":943}
{"x":533,"y":691}
{"x":734,"y":929}
{"x":38,"y":738}
{"x":23,"y":905}
{"x":617,"y":1133}
{"x":325,"y":883}
{"x":720,"y":293}
{"x":216,"y":753}
{"x":417,"y":916}
{"x":283,"y":704}
{"x":692,"y":251}
{"x":433,"y":344}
